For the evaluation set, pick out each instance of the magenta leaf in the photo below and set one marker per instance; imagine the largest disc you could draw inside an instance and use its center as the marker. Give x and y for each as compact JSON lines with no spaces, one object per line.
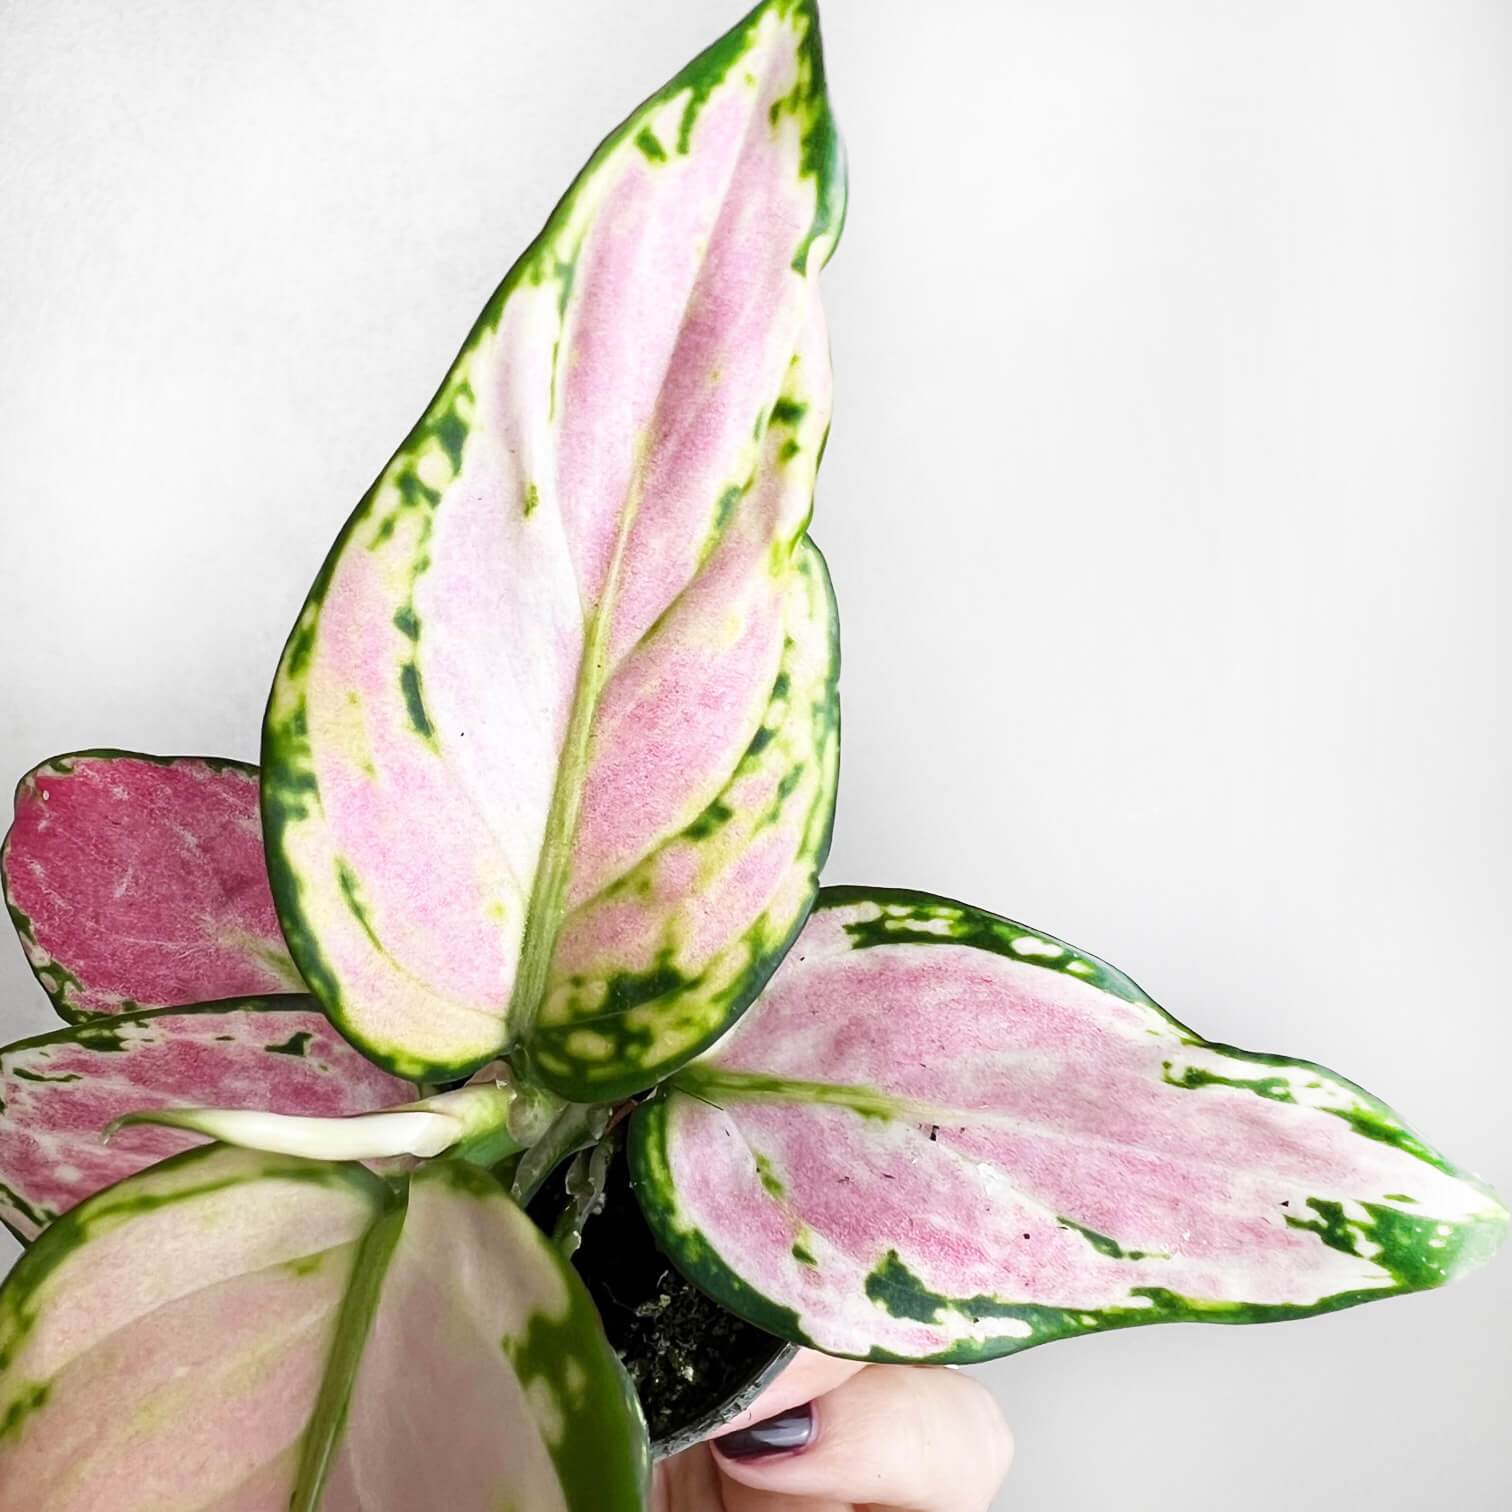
{"x":941,"y":1135}
{"x":551,"y":755}
{"x":245,"y":1331}
{"x":139,"y":882}
{"x":59,"y":1091}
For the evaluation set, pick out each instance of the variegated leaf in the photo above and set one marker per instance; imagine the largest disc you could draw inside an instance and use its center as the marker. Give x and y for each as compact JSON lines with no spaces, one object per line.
{"x":551,"y":753}
{"x":254,"y":1333}
{"x":139,"y":882}
{"x":58,"y":1092}
{"x":941,"y":1135}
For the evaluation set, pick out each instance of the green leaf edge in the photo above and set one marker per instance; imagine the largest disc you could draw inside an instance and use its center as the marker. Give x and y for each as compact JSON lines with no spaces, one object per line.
{"x":823,"y":159}
{"x":1475,"y":1240}
{"x":101,"y":1025}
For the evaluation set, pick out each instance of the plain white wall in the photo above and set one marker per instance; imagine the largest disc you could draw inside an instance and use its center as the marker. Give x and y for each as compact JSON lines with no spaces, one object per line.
{"x":1166,"y":502}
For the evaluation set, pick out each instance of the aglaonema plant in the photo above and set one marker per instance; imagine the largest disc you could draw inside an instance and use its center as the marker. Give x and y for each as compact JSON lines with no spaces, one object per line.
{"x":530,"y":869}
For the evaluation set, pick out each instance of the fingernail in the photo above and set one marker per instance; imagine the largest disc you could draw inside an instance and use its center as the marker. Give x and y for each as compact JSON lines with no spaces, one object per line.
{"x":786,"y":1433}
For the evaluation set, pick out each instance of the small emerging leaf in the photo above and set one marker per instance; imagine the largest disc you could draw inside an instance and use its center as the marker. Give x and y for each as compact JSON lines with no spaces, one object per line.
{"x":254,"y":1332}
{"x":490,"y":1111}
{"x":587,"y":1184}
{"x":139,"y":882}
{"x":551,"y":755}
{"x":941,"y":1135}
{"x":59,"y":1091}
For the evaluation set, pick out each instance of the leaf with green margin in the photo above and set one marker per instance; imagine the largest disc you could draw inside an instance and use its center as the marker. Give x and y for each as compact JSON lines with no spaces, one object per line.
{"x":941,"y":1135}
{"x":551,"y":754}
{"x":252,"y":1331}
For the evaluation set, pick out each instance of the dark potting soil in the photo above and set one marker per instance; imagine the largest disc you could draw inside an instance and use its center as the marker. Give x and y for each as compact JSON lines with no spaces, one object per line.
{"x":685,"y":1353}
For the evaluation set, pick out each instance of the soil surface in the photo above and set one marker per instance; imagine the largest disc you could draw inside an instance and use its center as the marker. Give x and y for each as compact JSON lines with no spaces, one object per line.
{"x":687,"y":1355}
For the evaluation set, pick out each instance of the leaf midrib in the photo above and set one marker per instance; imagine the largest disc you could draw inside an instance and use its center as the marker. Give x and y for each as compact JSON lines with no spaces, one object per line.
{"x":705,"y":1083}
{"x":354,"y":1322}
{"x":548,"y":891}
{"x":546,"y":910}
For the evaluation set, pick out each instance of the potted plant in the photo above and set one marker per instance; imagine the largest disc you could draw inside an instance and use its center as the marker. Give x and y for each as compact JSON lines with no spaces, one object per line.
{"x":526,"y":885}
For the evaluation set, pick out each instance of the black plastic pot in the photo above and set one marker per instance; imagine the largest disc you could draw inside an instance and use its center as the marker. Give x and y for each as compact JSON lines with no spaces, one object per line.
{"x":694,"y":1363}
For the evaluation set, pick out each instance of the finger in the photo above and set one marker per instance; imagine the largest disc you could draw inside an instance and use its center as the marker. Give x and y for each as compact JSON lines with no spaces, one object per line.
{"x":688,"y":1482}
{"x":893,"y":1435}
{"x":737,"y":1498}
{"x":810,"y":1375}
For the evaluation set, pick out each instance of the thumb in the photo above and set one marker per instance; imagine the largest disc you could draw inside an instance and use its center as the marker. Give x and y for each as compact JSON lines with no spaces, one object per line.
{"x":893,"y":1436}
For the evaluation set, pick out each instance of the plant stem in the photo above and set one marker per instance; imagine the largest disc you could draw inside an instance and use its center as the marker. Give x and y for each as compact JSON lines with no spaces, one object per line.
{"x":576,"y":1127}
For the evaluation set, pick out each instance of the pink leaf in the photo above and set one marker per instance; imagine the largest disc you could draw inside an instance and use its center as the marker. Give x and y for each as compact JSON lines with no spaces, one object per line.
{"x":139,"y":882}
{"x":941,"y":1135}
{"x":59,"y":1091}
{"x":552,"y":751}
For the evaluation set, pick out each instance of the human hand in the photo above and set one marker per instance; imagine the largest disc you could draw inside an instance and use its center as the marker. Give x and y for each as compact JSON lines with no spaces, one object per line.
{"x":833,"y":1435}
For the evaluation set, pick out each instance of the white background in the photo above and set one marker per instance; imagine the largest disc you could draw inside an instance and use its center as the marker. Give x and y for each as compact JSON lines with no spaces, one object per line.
{"x":1166,"y":503}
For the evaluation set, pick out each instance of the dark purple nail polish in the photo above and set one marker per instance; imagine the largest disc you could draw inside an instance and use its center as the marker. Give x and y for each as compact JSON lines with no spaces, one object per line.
{"x":786,"y":1433}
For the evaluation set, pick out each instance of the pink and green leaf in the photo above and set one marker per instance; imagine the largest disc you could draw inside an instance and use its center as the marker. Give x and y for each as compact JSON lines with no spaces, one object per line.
{"x":251,"y":1332}
{"x":59,"y":1091}
{"x":139,"y":882}
{"x":551,"y":755}
{"x":941,"y":1135}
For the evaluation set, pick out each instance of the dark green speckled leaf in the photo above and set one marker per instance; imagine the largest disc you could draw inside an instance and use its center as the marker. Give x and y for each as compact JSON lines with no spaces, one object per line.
{"x":940,"y":1135}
